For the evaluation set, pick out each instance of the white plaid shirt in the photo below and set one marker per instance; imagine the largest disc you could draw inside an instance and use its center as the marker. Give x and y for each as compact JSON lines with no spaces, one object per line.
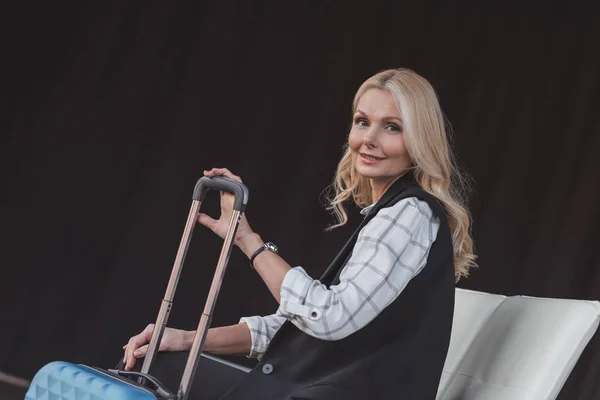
{"x":390,"y":250}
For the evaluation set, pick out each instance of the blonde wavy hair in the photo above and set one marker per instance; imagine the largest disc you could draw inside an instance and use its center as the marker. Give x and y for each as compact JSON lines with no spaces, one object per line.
{"x":428,"y":144}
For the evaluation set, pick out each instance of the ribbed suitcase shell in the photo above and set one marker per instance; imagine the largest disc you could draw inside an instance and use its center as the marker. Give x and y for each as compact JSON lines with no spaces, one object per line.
{"x":60,"y":380}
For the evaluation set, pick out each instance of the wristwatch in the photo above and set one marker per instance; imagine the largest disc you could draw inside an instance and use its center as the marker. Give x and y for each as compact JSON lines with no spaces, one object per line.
{"x":269,"y":246}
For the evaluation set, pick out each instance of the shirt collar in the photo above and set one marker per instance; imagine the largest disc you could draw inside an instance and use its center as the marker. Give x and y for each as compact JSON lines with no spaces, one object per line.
{"x":367,"y":210}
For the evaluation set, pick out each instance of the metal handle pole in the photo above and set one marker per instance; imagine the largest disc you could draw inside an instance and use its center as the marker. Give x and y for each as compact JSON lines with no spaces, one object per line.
{"x":165,"y":308}
{"x":205,"y":320}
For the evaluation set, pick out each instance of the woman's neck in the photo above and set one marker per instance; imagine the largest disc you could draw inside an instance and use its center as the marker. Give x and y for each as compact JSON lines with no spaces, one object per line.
{"x":379,"y":187}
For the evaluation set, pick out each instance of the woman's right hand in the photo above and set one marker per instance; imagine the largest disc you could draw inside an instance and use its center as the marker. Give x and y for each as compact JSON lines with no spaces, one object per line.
{"x":172,"y":340}
{"x":220,"y":226}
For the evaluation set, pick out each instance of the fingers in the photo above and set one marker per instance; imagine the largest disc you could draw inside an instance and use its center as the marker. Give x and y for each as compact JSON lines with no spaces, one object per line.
{"x":134,"y":344}
{"x":223,"y":172}
{"x":127,"y":362}
{"x":141,"y":352}
{"x":207,"y":221}
{"x":129,"y":359}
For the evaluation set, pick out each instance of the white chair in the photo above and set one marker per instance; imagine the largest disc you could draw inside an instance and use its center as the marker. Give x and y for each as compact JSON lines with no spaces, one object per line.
{"x":514,"y":348}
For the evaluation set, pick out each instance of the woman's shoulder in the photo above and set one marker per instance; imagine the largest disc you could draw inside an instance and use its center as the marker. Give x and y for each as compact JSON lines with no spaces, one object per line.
{"x":410,"y":218}
{"x":410,"y":214}
{"x":409,"y":207}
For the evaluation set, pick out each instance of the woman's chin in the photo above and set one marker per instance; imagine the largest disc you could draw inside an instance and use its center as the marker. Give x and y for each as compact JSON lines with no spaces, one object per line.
{"x":367,"y":172}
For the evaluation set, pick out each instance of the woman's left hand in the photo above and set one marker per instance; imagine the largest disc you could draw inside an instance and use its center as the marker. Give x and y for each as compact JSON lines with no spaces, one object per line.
{"x":219,"y":226}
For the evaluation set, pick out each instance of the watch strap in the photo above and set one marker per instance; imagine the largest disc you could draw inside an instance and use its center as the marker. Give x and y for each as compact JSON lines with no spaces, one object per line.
{"x":268,"y":246}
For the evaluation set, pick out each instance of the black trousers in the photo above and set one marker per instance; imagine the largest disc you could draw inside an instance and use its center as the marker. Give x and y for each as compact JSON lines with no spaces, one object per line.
{"x":211,"y":381}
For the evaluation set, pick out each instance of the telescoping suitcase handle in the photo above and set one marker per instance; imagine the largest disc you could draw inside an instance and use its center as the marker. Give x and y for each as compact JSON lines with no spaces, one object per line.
{"x":239,"y":190}
{"x":203,"y":185}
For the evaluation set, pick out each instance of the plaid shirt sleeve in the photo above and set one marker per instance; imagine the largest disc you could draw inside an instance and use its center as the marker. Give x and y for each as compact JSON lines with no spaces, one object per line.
{"x":390,"y":250}
{"x":262,"y":330}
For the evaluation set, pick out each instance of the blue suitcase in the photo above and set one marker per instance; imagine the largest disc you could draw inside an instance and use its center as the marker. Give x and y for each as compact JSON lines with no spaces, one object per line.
{"x":63,"y":380}
{"x":60,"y":380}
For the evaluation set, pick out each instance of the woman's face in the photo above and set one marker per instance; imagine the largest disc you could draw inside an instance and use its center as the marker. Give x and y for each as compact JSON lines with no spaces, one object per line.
{"x":377,"y":140}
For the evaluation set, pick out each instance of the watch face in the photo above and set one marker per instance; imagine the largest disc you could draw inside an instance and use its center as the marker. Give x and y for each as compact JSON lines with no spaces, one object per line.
{"x":271,"y":247}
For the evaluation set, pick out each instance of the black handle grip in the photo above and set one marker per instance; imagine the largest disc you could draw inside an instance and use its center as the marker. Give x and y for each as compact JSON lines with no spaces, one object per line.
{"x":157,"y":385}
{"x":220,"y":183}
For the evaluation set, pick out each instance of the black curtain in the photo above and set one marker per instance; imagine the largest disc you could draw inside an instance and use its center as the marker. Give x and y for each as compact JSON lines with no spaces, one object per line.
{"x":111,"y":110}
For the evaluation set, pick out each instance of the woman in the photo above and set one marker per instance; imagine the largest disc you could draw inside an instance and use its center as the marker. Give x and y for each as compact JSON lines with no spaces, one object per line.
{"x":377,"y":323}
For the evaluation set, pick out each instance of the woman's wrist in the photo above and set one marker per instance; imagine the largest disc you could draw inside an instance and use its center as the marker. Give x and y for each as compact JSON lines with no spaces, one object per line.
{"x":188,"y":339}
{"x":250,"y":243}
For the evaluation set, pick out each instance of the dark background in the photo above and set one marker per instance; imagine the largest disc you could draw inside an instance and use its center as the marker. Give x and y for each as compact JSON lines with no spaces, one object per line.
{"x":111,"y":110}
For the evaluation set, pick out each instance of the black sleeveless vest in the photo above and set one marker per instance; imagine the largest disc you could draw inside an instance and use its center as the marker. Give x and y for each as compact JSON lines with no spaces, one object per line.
{"x":398,"y":355}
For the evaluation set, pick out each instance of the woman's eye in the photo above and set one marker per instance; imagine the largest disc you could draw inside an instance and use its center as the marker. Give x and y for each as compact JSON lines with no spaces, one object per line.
{"x":360,"y":122}
{"x":394,"y":128}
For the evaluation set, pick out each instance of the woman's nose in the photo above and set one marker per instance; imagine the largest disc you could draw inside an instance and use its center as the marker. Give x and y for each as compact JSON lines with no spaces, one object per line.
{"x":369,"y":137}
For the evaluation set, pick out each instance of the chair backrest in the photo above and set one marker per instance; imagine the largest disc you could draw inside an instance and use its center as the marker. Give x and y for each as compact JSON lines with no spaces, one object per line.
{"x":514,"y":348}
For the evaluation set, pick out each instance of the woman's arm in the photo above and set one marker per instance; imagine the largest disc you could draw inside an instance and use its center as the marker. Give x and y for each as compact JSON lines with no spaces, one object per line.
{"x":232,"y":339}
{"x":391,"y":250}
{"x":270,"y":266}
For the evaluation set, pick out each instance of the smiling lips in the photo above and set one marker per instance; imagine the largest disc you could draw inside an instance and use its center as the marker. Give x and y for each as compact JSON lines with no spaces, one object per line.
{"x":369,"y":159}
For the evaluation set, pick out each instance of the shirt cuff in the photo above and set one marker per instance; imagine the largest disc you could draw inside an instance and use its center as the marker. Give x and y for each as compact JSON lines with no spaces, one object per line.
{"x":260,"y":341}
{"x":293,"y":293}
